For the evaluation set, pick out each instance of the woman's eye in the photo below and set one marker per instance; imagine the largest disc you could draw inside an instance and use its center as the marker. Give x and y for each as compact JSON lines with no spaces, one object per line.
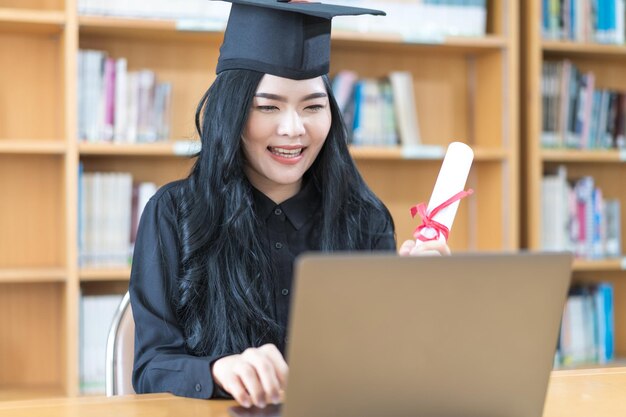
{"x":316,"y":107}
{"x":267,"y":108}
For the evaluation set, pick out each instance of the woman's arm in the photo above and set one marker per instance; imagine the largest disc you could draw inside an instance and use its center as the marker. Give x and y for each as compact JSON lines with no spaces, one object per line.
{"x":162,"y":364}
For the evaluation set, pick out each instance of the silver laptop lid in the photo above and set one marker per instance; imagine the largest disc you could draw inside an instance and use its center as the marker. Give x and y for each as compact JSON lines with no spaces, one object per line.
{"x":466,"y":335}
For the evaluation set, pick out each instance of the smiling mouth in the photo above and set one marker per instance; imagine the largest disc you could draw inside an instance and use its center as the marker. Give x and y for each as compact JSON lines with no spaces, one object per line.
{"x":286,"y":153}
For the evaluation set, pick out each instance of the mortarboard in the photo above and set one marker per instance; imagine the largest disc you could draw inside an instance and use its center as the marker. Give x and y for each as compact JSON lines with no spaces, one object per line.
{"x":287,"y":39}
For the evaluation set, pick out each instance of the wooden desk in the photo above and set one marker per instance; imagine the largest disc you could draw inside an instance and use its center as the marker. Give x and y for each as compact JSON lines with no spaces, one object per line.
{"x":587,"y":393}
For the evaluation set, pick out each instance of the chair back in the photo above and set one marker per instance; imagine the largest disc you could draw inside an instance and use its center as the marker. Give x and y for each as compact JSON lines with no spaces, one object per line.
{"x":120,"y":351}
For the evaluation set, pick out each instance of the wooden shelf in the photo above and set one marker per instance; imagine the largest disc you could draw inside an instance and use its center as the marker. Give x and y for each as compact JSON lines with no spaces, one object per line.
{"x":32,"y":147}
{"x":23,"y":275}
{"x":432,"y":153}
{"x":170,"y":148}
{"x":144,"y":28}
{"x":185,"y":148}
{"x":391,"y":152}
{"x":581,"y":265}
{"x":102,"y":274}
{"x":603,"y":165}
{"x":30,"y":21}
{"x":584,"y":49}
{"x":572,"y":155}
{"x":29,"y":393}
{"x":616,"y":363}
{"x":114,"y":26}
{"x":464,"y":45}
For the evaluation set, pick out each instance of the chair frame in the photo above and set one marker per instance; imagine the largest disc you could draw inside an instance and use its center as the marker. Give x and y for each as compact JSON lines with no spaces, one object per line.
{"x":111,"y":387}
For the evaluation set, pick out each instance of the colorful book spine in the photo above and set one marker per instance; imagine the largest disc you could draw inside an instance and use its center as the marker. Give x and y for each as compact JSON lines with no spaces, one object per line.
{"x":120,"y":106}
{"x":587,"y":326}
{"x":576,"y":114}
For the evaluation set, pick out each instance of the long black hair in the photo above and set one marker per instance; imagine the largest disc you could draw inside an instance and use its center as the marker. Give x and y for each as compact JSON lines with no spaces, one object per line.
{"x":225,"y":301}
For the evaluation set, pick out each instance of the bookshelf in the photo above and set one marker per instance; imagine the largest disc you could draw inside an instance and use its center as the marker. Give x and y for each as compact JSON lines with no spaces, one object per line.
{"x":605,"y":165}
{"x":466,"y":89}
{"x":461,"y":87}
{"x":33,"y":246}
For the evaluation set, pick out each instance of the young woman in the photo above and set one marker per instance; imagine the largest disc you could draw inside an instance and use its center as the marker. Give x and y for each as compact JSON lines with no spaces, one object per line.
{"x":214,"y":256}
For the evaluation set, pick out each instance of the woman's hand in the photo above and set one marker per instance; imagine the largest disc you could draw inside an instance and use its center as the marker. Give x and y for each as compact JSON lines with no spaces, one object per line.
{"x":257,"y":376}
{"x":433,"y":247}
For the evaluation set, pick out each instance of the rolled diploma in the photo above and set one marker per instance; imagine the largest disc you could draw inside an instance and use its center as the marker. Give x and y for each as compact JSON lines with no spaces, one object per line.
{"x":451,"y":180}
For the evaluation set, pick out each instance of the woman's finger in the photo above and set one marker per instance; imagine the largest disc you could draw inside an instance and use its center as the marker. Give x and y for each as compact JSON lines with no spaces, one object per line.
{"x":267,"y":374}
{"x":426,"y":253}
{"x":406,"y":247}
{"x":234,"y":386}
{"x":250,"y":380}
{"x":280,"y":366}
{"x":430,"y":248}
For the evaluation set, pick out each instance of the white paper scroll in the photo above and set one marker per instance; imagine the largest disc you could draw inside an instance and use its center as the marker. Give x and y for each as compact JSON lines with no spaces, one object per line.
{"x":451,"y":180}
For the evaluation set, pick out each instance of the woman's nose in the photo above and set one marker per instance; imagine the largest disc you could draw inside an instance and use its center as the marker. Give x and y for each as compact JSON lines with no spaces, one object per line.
{"x":291,"y":125}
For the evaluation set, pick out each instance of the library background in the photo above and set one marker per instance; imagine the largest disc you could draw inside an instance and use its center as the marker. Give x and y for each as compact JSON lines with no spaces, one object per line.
{"x":97,"y":104}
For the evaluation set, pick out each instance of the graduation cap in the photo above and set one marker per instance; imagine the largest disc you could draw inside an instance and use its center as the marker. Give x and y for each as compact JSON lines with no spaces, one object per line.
{"x":278,"y":37}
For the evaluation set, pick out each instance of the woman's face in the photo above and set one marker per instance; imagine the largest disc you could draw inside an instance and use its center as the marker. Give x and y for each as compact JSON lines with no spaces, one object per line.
{"x":286,"y":128}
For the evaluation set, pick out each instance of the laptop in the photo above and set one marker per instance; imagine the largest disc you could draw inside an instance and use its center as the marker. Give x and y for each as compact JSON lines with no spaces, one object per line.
{"x":383,"y":335}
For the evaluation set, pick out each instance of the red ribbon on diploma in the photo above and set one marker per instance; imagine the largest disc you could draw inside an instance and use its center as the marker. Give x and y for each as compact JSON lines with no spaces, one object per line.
{"x":427,"y":218}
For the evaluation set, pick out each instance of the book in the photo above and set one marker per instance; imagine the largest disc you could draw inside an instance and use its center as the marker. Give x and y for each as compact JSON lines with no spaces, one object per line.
{"x":188,"y":11}
{"x":613,"y":234}
{"x":109,"y":99}
{"x":405,"y":109}
{"x":550,"y":94}
{"x":105,"y":210}
{"x":121,"y":102}
{"x":142,"y":192}
{"x":555,"y":211}
{"x":418,"y":21}
{"x":119,"y":106}
{"x":584,"y":20}
{"x":573,"y":343}
{"x":96,"y":315}
{"x":603,"y":300}
{"x":587,"y":326}
{"x":576,"y":114}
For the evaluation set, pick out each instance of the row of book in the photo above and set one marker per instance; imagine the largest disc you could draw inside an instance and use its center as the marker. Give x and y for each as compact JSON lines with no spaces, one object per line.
{"x":576,"y":113}
{"x":587,"y":326}
{"x":118,"y":105}
{"x":381,"y":112}
{"x":96,"y":315}
{"x":418,"y":20}
{"x":110,"y":206}
{"x":577,"y":217}
{"x":192,"y":10}
{"x":584,"y":20}
{"x":415,"y":20}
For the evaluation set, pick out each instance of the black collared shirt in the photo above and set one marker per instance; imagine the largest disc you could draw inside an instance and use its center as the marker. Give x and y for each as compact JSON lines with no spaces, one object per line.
{"x":162,"y":363}
{"x":291,"y":228}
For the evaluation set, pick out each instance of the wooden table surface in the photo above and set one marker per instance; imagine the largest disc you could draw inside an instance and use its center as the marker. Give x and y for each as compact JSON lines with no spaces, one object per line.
{"x":588,"y":393}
